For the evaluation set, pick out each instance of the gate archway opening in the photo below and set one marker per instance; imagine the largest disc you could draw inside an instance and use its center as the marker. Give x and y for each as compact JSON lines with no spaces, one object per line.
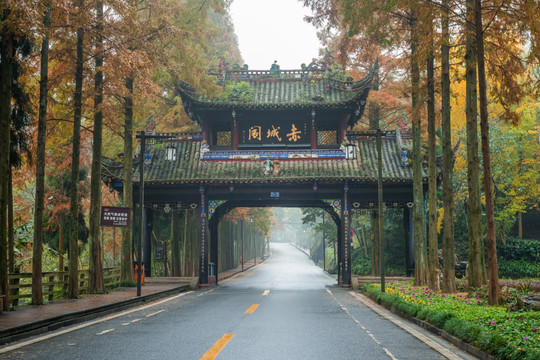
{"x":226,"y":207}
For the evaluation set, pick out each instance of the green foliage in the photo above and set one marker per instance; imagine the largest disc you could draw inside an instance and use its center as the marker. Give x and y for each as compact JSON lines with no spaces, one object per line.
{"x":490,"y":328}
{"x":361,"y":265}
{"x":394,"y":247}
{"x":516,"y":174}
{"x":518,"y":269}
{"x":244,"y":91}
{"x":520,"y":249}
{"x":519,"y":258}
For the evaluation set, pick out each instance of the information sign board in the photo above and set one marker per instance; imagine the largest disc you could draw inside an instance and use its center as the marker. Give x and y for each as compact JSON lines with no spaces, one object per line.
{"x":115,"y":216}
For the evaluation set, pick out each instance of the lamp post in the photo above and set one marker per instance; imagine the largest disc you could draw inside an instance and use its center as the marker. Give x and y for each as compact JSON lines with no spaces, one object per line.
{"x":380,"y":204}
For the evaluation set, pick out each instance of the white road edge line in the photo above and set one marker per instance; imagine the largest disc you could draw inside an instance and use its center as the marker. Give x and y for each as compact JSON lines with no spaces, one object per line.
{"x":434,"y":345}
{"x":206,"y":292}
{"x":359,"y":323}
{"x":89,"y":323}
{"x":157,"y":312}
{"x":389,"y":354}
{"x":104,"y":332}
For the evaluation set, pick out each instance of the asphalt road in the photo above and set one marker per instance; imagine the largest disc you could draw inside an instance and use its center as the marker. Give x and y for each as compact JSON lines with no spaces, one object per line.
{"x":285,"y":308}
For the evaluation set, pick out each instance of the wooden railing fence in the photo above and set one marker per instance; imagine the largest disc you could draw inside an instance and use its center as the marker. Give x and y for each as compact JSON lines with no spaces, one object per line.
{"x":55,"y":284}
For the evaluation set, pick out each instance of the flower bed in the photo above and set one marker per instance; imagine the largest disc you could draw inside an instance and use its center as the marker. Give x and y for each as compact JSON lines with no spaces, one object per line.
{"x":490,"y":328}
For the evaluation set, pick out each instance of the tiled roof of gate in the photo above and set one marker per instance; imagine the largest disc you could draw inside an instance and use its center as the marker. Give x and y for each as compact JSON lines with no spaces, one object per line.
{"x":190,"y":168}
{"x":292,"y":88}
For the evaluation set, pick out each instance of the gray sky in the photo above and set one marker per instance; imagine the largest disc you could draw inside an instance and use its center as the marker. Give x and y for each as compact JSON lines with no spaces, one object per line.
{"x":271,"y":30}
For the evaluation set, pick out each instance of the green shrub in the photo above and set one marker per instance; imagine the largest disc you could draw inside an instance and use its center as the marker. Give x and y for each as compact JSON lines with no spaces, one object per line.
{"x":519,"y":249}
{"x":517,"y":269}
{"x":470,"y":318}
{"x":439,"y":318}
{"x":361,"y":266}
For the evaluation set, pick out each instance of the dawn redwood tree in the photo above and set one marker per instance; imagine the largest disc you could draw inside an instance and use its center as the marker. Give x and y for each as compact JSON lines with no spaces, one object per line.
{"x":475,"y":270}
{"x":449,"y":276}
{"x":73,"y":282}
{"x":508,"y":27}
{"x":95,"y":281}
{"x":7,"y":52}
{"x":37,"y":289}
{"x":126,"y":274}
{"x":493,"y":271}
{"x":433,"y":254}
{"x":420,"y":273}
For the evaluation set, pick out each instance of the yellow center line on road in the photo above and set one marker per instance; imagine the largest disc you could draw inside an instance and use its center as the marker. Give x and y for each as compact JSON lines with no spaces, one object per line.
{"x":252,"y":309}
{"x":266,"y":292}
{"x":218,"y":346}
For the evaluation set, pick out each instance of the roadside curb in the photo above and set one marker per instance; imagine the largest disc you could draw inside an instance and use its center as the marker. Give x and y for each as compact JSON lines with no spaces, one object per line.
{"x":436,"y":331}
{"x":53,"y":323}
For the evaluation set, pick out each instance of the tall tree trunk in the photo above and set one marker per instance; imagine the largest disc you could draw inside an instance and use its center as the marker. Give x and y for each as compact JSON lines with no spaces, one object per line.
{"x":95,"y":280}
{"x":488,"y":184}
{"x":37,"y":248}
{"x":6,"y":73}
{"x":10,"y":222}
{"x":418,"y":215}
{"x":61,"y":245}
{"x":449,"y":275}
{"x":474,"y":270}
{"x":73,"y":282}
{"x":127,"y":232}
{"x":433,"y":258}
{"x":11,"y":240}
